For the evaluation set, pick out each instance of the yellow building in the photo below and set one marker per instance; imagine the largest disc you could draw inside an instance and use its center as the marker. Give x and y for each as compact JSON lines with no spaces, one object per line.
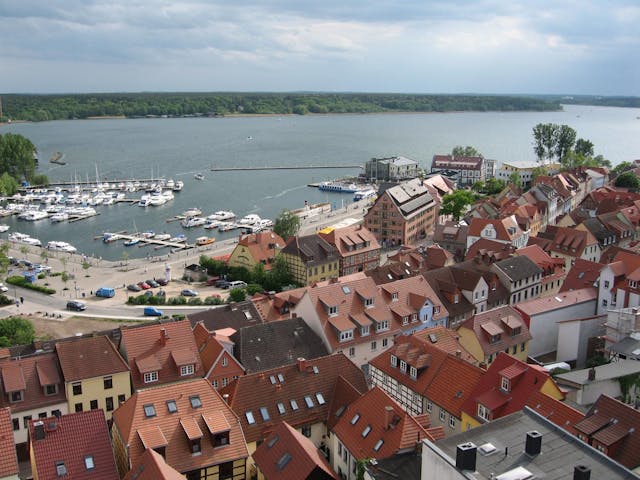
{"x":311,"y":259}
{"x":501,"y":329}
{"x":256,"y":248}
{"x":95,"y":375}
{"x":505,"y":388}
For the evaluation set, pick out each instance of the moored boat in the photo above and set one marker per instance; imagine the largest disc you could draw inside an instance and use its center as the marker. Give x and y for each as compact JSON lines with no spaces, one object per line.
{"x":198,"y":176}
{"x":193,"y":222}
{"x":162,"y":237}
{"x":338,"y":187}
{"x":250,"y":219}
{"x":201,"y":241}
{"x":192,"y":212}
{"x":222,"y":215}
{"x":61,"y":247}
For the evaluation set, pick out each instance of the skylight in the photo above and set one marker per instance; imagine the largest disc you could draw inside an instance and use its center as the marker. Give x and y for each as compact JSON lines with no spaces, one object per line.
{"x":346,"y":289}
{"x":316,"y":370}
{"x":265,"y":414}
{"x":366,"y":431}
{"x":172,"y":406}
{"x":320,"y":398}
{"x":195,"y":401}
{"x":88,"y":462}
{"x":281,"y":408}
{"x":294,"y":405}
{"x":61,"y":469}
{"x":284,"y":459}
{"x":149,"y":410}
{"x":273,"y":440}
{"x":272,"y":379}
{"x":340,"y":411}
{"x":250,"y":419}
{"x":309,"y":401}
{"x":281,"y":378}
{"x":378,"y":445}
{"x":355,"y":419}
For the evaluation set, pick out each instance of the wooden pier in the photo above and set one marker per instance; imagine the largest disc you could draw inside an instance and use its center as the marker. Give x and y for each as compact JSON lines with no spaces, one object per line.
{"x":282,"y":167}
{"x":158,"y":244}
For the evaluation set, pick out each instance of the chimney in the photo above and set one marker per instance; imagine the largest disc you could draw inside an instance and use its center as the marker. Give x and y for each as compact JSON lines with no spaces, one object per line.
{"x":533,"y":444}
{"x":459,"y":353}
{"x":302,"y":364}
{"x":57,"y":414}
{"x":592,"y":374}
{"x":466,"y":456}
{"x":388,"y":417}
{"x":38,"y":430}
{"x":581,"y":472}
{"x":164,"y":336}
{"x":225,"y":397}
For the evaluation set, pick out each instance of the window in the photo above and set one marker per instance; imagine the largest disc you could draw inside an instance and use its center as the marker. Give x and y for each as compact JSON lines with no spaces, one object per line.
{"x":413,"y":372}
{"x":281,"y":408}
{"x":17,"y":396}
{"x":364,"y":331}
{"x":250,"y":418}
{"x":150,"y":377}
{"x":265,"y":414}
{"x":195,"y":401}
{"x":225,"y":381}
{"x":93,"y":404}
{"x":108,"y":383}
{"x":196,"y":448}
{"x":394,"y":361}
{"x":56,"y":413}
{"x":88,"y":462}
{"x":121,"y":399}
{"x":16,"y":424}
{"x":383,"y":325}
{"x":378,"y":445}
{"x":172,"y":406}
{"x":394,"y":296}
{"x":220,"y":439}
{"x":366,"y":431}
{"x":77,"y":388}
{"x":516,"y":331}
{"x":346,"y":335}
{"x":452,"y":421}
{"x":605,"y":302}
{"x":484,"y":412}
{"x":606,"y":284}
{"x":403,"y":366}
{"x":429,"y":406}
{"x":294,"y":405}
{"x":355,"y":419}
{"x":109,"y":403}
{"x":149,"y":410}
{"x":333,"y":310}
{"x":405,"y":319}
{"x":505,"y":384}
{"x":78,"y":407}
{"x":352,"y":351}
{"x":306,"y":430}
{"x":442,"y":415}
{"x":51,"y":390}
{"x":385,"y":342}
{"x":61,"y":469}
{"x":522,"y":346}
{"x":374,"y":345}
{"x":187,"y":370}
{"x":25,"y":421}
{"x":224,"y":361}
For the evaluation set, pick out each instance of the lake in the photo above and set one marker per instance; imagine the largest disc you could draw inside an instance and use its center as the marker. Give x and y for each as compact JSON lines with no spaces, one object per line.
{"x":179,"y":148}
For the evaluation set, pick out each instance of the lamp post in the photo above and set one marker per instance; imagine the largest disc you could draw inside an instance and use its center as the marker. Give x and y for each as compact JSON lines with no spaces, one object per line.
{"x":75,"y":287}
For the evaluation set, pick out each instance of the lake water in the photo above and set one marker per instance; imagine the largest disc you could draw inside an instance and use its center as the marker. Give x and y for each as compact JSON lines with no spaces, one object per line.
{"x":178,"y":148}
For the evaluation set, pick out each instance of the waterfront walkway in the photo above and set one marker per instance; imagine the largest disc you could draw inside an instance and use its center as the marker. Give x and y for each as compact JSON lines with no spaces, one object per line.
{"x":290,"y":167}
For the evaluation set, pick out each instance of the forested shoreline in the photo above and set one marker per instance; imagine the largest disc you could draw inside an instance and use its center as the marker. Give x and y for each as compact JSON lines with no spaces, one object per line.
{"x":80,"y":106}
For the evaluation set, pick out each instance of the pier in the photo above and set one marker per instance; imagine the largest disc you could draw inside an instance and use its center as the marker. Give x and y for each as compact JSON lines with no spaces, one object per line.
{"x":291,"y":167}
{"x":158,"y":244}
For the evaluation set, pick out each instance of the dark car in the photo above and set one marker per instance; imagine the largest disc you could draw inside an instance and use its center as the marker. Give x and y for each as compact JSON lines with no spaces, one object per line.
{"x":133,"y":287}
{"x":187,"y":292}
{"x":148,"y":293}
{"x":152,"y":283}
{"x":222,"y":283}
{"x":144,"y":286}
{"x":162,"y":282}
{"x":76,"y":306}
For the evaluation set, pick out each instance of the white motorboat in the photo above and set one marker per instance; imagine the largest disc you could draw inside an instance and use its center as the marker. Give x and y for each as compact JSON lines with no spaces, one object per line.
{"x":61,"y":247}
{"x":178,"y":186}
{"x":144,"y":201}
{"x":59,"y":217}
{"x":181,"y":238}
{"x":193,"y":222}
{"x":110,"y":237}
{"x":157,"y":200}
{"x":226,"y":226}
{"x":222,"y":215}
{"x":211,"y":224}
{"x":132,"y":241}
{"x":162,"y":236}
{"x":148,"y":234}
{"x":265,"y":223}
{"x":250,"y":219}
{"x":192,"y":212}
{"x":363,"y":194}
{"x":4,"y":228}
{"x":33,"y":215}
{"x":24,"y":239}
{"x":198,"y":176}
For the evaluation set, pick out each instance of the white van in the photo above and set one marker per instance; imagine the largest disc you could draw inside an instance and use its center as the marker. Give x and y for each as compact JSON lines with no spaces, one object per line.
{"x":237,"y":284}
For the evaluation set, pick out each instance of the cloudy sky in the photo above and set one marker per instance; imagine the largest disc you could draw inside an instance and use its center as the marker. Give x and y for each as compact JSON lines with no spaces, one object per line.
{"x":417,"y":46}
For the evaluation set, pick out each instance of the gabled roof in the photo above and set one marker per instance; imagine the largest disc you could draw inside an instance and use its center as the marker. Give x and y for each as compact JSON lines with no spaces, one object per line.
{"x":346,"y":240}
{"x":80,"y":440}
{"x":490,"y":249}
{"x":212,"y":349}
{"x":409,"y":197}
{"x":312,"y":249}
{"x":375,"y":426}
{"x":618,"y":430}
{"x":554,"y":410}
{"x":506,"y":228}
{"x":235,"y":315}
{"x":269,"y":345}
{"x":518,"y":268}
{"x":210,"y":415}
{"x":162,"y":347}
{"x":583,"y":274}
{"x":541,"y":258}
{"x":153,"y":467}
{"x":262,"y":245}
{"x":567,"y":240}
{"x":286,"y":453}
{"x":89,"y":358}
{"x":8,"y":458}
{"x":500,"y":322}
{"x":285,"y":388}
{"x":488,"y":391}
{"x":561,"y":300}
{"x":445,"y":340}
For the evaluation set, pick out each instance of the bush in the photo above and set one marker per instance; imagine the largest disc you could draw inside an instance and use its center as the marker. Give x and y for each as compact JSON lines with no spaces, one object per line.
{"x":237,"y":295}
{"x":195,"y":301}
{"x":16,"y":331}
{"x":253,"y":288}
{"x":22,"y":282}
{"x":213,"y":301}
{"x":4,"y":300}
{"x":177,"y":301}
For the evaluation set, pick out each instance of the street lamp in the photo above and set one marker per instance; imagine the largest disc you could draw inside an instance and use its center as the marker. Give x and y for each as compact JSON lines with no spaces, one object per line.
{"x":75,"y":287}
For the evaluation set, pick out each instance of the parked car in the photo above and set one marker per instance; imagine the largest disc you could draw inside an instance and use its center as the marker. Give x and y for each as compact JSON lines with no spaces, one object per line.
{"x":41,"y":268}
{"x":237,"y":284}
{"x":144,"y":285}
{"x":107,"y":292}
{"x":161,"y":293}
{"x":162,"y":282}
{"x":222,"y":283}
{"x":3,"y":288}
{"x":152,"y":283}
{"x":76,"y":306}
{"x":148,"y":293}
{"x":132,"y":287}
{"x":187,"y":292}
{"x":152,"y":312}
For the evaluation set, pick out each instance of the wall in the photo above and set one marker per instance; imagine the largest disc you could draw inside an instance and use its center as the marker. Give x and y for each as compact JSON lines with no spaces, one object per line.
{"x":93,"y":389}
{"x":469,"y":341}
{"x":22,"y":434}
{"x":573,"y":338}
{"x":435,"y":466}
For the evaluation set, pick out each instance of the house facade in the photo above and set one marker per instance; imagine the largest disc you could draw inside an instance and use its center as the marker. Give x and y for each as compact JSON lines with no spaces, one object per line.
{"x":311,"y":259}
{"x":357,"y":247}
{"x":469,"y":170}
{"x":256,"y":248}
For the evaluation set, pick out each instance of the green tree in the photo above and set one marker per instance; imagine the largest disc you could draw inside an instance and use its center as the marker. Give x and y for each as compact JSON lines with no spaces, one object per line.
{"x":515,"y":179}
{"x":16,"y":331}
{"x":545,"y":139}
{"x":539,"y":170}
{"x":565,"y":139}
{"x":258,"y":273}
{"x":584,"y":147}
{"x":8,"y":185}
{"x":17,"y":156}
{"x":478,"y":187}
{"x":628,"y":180}
{"x":621,"y":167}
{"x":279,"y":275}
{"x":287,"y":224}
{"x":455,"y":203}
{"x":494,"y":186}
{"x":237,"y":295}
{"x":468,"y":151}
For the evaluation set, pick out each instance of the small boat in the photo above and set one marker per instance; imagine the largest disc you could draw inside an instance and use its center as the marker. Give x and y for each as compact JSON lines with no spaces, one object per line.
{"x":144,"y":201}
{"x":178,"y":186}
{"x":226,"y":226}
{"x":192,"y":212}
{"x":193,"y":222}
{"x":4,"y":228}
{"x":211,"y":224}
{"x":250,"y":219}
{"x":57,"y":158}
{"x":200,"y":241}
{"x":157,"y":199}
{"x":33,"y":215}
{"x":363,"y":194}
{"x":265,"y":223}
{"x":178,"y":239}
{"x":222,"y":215}
{"x":198,"y":176}
{"x":162,"y":237}
{"x":60,"y":217}
{"x":110,"y":237}
{"x":148,"y":234}
{"x":132,"y":241}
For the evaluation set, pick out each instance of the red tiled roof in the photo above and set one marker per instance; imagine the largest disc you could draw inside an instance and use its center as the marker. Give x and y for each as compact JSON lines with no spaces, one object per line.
{"x":34,"y":396}
{"x":152,"y":437}
{"x":89,"y":357}
{"x":342,"y":238}
{"x":446,"y":340}
{"x":47,"y":373}
{"x":305,"y":461}
{"x":387,"y":423}
{"x":252,"y":392}
{"x":12,"y":378}
{"x":561,"y":300}
{"x":500,"y":225}
{"x":8,"y":458}
{"x":583,"y":274}
{"x":161,"y":347}
{"x":153,"y":467}
{"x":492,"y":322}
{"x":130,"y":421}
{"x":558,"y":412}
{"x":71,"y":439}
{"x":259,"y":245}
{"x":484,"y":247}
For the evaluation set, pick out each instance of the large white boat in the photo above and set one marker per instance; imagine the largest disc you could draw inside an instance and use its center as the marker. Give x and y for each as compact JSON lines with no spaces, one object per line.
{"x":250,"y":219}
{"x":222,"y":215}
{"x":157,"y":199}
{"x":193,"y":222}
{"x":4,"y":228}
{"x":33,"y":215}
{"x":363,"y":194}
{"x":265,"y":223}
{"x":59,"y":217}
{"x":192,"y":212}
{"x":178,"y":186}
{"x":61,"y":247}
{"x":162,"y":236}
{"x":226,"y":226}
{"x":25,"y":239}
{"x":144,"y":201}
{"x":338,"y":187}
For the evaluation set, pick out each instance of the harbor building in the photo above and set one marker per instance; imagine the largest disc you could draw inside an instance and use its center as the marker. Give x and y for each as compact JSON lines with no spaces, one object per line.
{"x":464,"y":170}
{"x":391,"y":169}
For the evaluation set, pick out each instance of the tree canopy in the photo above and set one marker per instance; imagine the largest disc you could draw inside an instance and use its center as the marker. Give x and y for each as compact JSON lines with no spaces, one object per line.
{"x":287,"y":224}
{"x":468,"y":151}
{"x":16,"y":331}
{"x":559,"y":142}
{"x":17,"y":159}
{"x":628,"y":180}
{"x":455,"y":203}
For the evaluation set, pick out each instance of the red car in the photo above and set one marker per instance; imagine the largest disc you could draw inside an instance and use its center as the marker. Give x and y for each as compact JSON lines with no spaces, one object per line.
{"x":144,"y":285}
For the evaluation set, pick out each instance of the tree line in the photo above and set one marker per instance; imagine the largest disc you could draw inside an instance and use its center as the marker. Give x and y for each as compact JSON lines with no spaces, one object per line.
{"x":56,"y":107}
{"x":17,"y":164}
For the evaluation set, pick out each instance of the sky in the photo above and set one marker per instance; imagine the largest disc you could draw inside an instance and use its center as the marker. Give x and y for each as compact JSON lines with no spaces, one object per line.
{"x":412,"y":46}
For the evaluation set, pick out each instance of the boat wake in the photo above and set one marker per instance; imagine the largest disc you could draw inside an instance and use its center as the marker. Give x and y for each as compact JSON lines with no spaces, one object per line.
{"x":284,"y":192}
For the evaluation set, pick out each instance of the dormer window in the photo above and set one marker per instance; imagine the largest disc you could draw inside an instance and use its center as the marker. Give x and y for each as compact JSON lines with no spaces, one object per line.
{"x":405,"y":320}
{"x":413,"y":372}
{"x":187,"y":370}
{"x":150,"y":377}
{"x":346,"y":335}
{"x":633,"y":283}
{"x":196,"y":448}
{"x":383,"y":325}
{"x":394,"y":361}
{"x":495,"y":338}
{"x":333,"y":310}
{"x":456,"y":298}
{"x":368,"y":302}
{"x":51,"y":389}
{"x":484,"y":412}
{"x":414,"y":317}
{"x":16,"y":396}
{"x":364,"y":330}
{"x":394,"y":297}
{"x":516,"y":331}
{"x":504,"y":385}
{"x":403,"y":366}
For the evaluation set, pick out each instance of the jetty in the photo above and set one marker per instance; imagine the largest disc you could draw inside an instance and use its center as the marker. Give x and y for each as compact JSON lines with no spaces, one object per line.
{"x":282,"y":167}
{"x":158,"y":244}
